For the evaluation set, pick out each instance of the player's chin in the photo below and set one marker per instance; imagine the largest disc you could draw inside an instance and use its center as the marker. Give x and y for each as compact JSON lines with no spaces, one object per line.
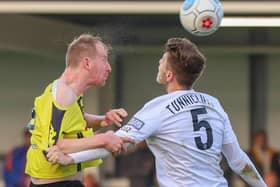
{"x":103,"y":83}
{"x":159,"y":80}
{"x":99,"y":83}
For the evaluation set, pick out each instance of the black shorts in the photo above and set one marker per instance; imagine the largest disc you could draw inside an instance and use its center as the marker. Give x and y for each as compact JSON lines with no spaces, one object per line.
{"x":60,"y":184}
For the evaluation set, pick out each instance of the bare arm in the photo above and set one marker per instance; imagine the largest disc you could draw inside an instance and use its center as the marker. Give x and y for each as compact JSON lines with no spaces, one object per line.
{"x":113,"y":116}
{"x":106,"y":140}
{"x":94,"y":154}
{"x":55,"y":155}
{"x":94,"y":121}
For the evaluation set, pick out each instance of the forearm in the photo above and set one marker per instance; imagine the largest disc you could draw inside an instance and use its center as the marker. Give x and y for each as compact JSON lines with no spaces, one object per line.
{"x":88,"y":155}
{"x":94,"y":121}
{"x":112,"y":143}
{"x":94,"y":154}
{"x":247,"y":171}
{"x":54,"y":155}
{"x":114,"y":116}
{"x":250,"y":174}
{"x":240,"y":163}
{"x":76,"y":145}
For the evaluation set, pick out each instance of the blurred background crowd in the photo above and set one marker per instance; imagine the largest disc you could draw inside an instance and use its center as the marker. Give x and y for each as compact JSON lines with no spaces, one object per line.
{"x":242,"y":71}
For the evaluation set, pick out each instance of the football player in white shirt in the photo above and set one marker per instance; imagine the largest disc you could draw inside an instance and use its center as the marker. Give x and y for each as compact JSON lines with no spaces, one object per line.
{"x":187,"y":131}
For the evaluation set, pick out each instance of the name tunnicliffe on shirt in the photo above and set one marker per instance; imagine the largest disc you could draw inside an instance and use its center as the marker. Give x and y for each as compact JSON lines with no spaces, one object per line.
{"x":187,"y":100}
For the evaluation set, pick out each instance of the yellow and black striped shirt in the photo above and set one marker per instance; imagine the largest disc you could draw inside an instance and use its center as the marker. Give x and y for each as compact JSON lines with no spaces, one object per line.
{"x":49,"y":123}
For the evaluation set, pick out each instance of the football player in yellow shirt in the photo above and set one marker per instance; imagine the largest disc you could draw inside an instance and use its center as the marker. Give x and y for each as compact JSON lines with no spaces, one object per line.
{"x":58,"y":117}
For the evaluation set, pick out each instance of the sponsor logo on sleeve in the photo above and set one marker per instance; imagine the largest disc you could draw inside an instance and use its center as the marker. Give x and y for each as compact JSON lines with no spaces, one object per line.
{"x":126,"y":128}
{"x":136,"y":123}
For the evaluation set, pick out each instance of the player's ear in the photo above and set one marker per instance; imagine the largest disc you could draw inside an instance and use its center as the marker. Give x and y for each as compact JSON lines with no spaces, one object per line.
{"x":169,"y":76}
{"x":86,"y":63}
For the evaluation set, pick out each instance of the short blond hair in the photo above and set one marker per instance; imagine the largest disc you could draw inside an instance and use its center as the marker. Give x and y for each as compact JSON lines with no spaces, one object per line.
{"x":84,"y":45}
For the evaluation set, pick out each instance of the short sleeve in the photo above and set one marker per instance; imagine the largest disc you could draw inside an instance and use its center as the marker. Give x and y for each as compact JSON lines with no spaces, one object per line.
{"x":142,"y":125}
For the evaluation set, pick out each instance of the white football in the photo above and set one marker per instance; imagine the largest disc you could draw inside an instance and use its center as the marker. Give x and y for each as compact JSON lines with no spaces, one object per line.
{"x":201,"y":17}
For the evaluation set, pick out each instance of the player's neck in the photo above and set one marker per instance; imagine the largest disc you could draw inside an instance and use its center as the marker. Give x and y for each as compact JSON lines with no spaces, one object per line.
{"x":72,"y":79}
{"x":176,"y":87}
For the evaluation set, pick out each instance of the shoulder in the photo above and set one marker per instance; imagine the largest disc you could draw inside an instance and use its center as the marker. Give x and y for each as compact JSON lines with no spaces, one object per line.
{"x":47,"y":88}
{"x":210,"y":97}
{"x":45,"y":95}
{"x":152,"y":108}
{"x":157,"y":102}
{"x":214,"y":100}
{"x":46,"y":91}
{"x":215,"y":104}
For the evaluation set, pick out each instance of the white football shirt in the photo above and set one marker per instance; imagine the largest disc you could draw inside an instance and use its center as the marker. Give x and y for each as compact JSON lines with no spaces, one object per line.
{"x":185,"y":130}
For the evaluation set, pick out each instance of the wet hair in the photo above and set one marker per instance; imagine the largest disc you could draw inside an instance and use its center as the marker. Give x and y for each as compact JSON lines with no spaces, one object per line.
{"x":84,"y":45}
{"x":185,"y":60}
